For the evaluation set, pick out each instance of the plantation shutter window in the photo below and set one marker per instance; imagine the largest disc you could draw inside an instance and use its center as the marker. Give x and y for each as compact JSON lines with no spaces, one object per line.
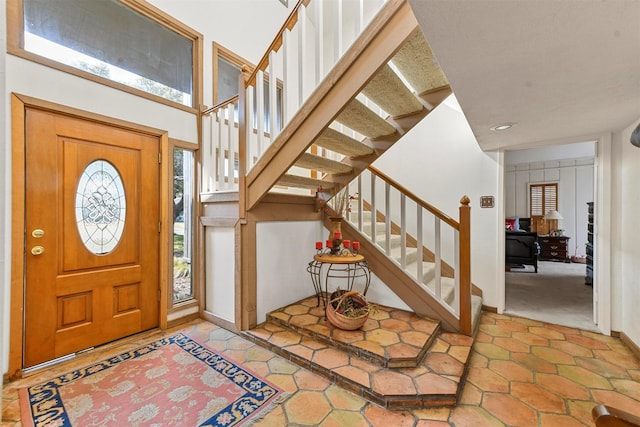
{"x":542,"y":199}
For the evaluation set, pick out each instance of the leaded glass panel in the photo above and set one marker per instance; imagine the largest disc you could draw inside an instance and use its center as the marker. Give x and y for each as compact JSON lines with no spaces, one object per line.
{"x":100,"y":207}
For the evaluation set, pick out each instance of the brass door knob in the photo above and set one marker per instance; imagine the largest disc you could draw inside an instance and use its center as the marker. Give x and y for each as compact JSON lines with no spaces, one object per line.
{"x":37,"y":233}
{"x":37,"y":250}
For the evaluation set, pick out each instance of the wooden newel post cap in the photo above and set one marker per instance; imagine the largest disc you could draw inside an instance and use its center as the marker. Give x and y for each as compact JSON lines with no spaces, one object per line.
{"x":465,"y":200}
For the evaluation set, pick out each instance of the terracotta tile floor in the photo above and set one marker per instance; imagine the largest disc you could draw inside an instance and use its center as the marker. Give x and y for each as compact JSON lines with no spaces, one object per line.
{"x":397,"y":359}
{"x":522,"y":373}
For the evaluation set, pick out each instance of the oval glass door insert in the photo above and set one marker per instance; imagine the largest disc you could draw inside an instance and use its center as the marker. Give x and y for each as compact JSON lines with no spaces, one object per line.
{"x":100,"y":207}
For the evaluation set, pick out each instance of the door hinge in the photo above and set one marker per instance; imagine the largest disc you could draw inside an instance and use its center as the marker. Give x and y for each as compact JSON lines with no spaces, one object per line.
{"x":159,"y":158}
{"x":159,"y":226}
{"x":158,"y":294}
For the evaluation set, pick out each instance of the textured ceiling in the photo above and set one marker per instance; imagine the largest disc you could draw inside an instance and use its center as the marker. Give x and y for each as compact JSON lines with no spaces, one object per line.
{"x":562,"y":70}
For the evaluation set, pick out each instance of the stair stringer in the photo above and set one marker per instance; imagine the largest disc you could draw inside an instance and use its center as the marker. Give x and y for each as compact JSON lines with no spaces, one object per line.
{"x":377,"y":45}
{"x":400,"y":283}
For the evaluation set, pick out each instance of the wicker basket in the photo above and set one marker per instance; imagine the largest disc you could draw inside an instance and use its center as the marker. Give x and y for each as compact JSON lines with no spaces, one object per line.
{"x":337,"y":304}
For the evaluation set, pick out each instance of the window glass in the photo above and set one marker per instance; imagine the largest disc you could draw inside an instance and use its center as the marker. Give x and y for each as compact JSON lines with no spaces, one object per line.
{"x":227,"y":83}
{"x":111,"y":40}
{"x":183,"y":187}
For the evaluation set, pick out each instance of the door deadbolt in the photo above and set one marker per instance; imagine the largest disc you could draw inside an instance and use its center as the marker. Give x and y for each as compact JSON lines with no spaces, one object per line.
{"x":37,"y":233}
{"x":37,"y":250}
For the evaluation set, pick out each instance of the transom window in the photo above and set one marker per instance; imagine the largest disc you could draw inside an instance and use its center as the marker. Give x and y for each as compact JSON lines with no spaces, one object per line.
{"x":113,"y":40}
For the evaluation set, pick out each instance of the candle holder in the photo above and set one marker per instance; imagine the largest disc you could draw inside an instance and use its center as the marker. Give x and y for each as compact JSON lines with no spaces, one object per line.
{"x":338,"y":246}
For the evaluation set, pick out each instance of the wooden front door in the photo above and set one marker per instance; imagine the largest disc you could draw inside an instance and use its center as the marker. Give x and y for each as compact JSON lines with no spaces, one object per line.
{"x":92,"y":234}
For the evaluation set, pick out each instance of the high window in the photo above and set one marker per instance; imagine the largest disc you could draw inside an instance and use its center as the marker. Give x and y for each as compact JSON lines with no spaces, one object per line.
{"x":126,"y":44}
{"x":227,"y":67}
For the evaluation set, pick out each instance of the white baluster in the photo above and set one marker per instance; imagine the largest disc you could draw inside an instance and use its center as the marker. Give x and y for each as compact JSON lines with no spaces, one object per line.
{"x":209,"y":177}
{"x":420,"y":244}
{"x":438,"y":257}
{"x":285,"y":80}
{"x":248,"y":114}
{"x":302,"y":52}
{"x":387,"y":220}
{"x":373,"y":208}
{"x":338,"y":27}
{"x":260,"y":111}
{"x":403,"y":230}
{"x":220,"y":150}
{"x":230,"y":152}
{"x":360,"y":203}
{"x":456,"y":256}
{"x":319,"y":36}
{"x":273,"y":98}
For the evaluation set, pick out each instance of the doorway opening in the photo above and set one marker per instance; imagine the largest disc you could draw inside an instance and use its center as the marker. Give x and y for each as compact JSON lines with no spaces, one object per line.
{"x":551,"y":283}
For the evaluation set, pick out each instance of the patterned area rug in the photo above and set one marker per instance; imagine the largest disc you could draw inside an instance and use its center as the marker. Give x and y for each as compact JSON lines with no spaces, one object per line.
{"x":174,"y":381}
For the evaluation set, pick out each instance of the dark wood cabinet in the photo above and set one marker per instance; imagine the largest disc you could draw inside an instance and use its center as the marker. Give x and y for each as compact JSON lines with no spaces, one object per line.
{"x":588,"y":280}
{"x":554,"y":248}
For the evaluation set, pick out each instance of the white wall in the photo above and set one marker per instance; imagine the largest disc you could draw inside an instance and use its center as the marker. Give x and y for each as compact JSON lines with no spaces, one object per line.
{"x":220,"y":272}
{"x":439,"y":160}
{"x":283,"y":252}
{"x":555,"y":152}
{"x":625,"y":267}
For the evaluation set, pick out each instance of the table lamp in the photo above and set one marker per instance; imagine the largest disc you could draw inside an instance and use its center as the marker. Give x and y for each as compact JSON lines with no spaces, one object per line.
{"x":553,"y":216}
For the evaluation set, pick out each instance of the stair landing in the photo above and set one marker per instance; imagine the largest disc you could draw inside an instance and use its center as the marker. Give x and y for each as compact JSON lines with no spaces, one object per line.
{"x":352,"y":359}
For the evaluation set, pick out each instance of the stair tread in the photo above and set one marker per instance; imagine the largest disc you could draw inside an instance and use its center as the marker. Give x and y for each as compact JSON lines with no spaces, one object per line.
{"x":409,"y":337}
{"x":338,"y":142}
{"x":297,"y":181}
{"x":322,"y":164}
{"x":435,"y":381}
{"x":387,"y":91}
{"x":418,"y":66}
{"x":358,"y":117}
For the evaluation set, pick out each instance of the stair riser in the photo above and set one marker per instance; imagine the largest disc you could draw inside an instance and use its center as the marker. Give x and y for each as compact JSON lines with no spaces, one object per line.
{"x":358,"y":352}
{"x":388,"y":402}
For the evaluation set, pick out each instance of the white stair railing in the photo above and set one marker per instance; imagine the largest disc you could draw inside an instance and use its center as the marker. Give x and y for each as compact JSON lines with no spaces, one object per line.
{"x":382,"y":197}
{"x":309,"y":44}
{"x":220,"y":147}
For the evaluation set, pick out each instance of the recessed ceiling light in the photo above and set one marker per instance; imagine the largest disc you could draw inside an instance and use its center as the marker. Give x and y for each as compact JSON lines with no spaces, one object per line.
{"x":503,"y":126}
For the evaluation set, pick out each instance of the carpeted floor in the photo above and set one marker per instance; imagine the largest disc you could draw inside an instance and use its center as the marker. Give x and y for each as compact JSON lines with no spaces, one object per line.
{"x":556,"y":294}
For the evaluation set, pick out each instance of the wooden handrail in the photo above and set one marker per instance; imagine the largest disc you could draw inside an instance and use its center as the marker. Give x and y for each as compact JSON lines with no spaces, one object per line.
{"x":292,"y":19}
{"x":220,"y":105}
{"x":437,"y":212}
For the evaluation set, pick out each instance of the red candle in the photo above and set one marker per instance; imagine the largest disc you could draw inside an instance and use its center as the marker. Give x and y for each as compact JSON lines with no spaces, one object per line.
{"x":329,"y":244}
{"x":356,"y":246}
{"x":346,"y":243}
{"x":318,"y":245}
{"x":337,"y":235}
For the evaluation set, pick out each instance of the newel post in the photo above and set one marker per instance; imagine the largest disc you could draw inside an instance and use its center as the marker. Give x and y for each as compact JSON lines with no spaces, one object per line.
{"x":465,"y":266}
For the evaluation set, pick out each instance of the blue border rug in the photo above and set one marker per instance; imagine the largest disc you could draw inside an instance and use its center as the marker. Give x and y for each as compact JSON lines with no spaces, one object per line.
{"x":44,"y":404}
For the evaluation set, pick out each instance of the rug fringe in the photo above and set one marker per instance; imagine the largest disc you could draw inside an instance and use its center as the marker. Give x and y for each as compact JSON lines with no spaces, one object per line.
{"x":264,"y":411}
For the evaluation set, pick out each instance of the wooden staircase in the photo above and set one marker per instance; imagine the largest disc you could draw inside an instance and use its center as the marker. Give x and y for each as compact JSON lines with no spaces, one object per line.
{"x":398,"y":360}
{"x":379,"y":89}
{"x":386,"y":84}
